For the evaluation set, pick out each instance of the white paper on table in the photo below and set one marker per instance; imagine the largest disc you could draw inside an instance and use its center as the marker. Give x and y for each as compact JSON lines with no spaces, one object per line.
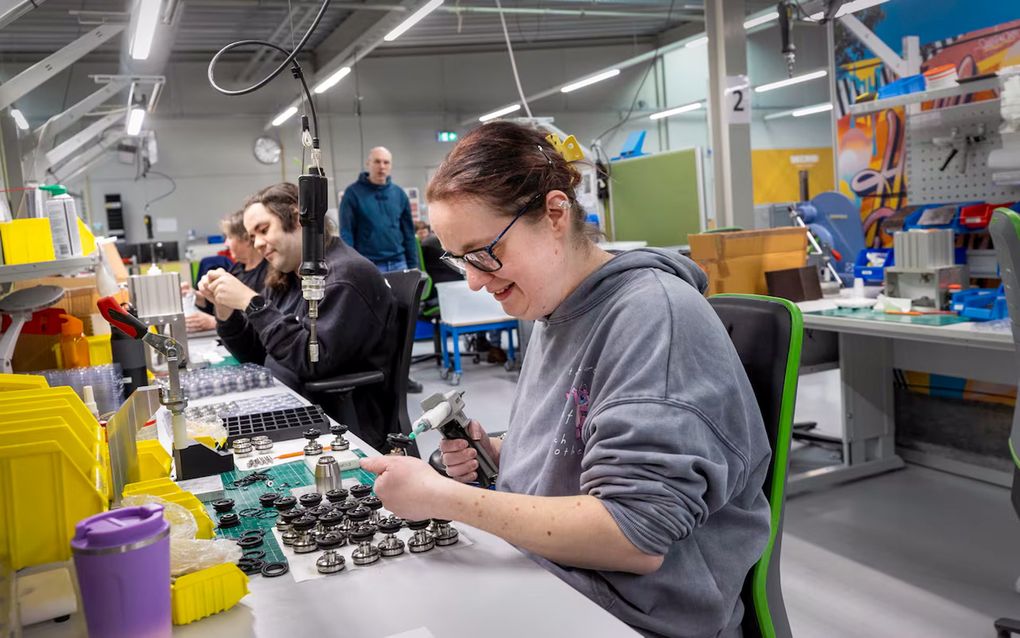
{"x":302,"y":566}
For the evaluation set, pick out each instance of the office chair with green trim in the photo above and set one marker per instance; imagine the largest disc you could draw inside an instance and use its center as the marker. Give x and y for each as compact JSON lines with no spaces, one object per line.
{"x":767,"y":333}
{"x":1005,"y":231}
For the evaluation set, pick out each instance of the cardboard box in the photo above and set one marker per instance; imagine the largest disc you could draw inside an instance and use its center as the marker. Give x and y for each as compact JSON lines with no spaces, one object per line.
{"x":737,"y":262}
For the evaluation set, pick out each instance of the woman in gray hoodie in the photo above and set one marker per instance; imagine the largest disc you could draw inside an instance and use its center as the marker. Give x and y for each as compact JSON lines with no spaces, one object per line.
{"x":634,"y":459}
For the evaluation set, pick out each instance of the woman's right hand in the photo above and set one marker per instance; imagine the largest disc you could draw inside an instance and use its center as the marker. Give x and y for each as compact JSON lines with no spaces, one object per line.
{"x":461,"y":460}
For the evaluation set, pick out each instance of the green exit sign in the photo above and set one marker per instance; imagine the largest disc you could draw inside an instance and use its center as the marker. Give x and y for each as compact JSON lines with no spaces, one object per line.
{"x":446,"y":136}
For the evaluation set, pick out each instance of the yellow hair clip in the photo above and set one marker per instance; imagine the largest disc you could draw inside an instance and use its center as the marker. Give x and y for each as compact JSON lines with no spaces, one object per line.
{"x":568,"y":148}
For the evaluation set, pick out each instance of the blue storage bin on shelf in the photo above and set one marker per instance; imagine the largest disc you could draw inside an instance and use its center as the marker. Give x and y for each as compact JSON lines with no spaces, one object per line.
{"x":980,"y":304}
{"x":903,"y":86}
{"x":873,"y":274}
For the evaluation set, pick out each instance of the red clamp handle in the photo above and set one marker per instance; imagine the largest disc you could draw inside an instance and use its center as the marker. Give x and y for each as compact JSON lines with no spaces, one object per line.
{"x":121,"y":319}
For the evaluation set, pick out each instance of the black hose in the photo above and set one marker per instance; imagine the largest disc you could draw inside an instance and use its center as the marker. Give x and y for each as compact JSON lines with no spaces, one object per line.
{"x":291,"y":55}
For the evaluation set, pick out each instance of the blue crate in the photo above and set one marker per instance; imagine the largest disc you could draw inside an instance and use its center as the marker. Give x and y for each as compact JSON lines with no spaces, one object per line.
{"x":873,"y":274}
{"x":980,"y":304}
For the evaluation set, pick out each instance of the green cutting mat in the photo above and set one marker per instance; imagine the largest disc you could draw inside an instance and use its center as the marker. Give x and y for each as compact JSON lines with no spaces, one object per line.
{"x":874,"y":315}
{"x":285,"y":477}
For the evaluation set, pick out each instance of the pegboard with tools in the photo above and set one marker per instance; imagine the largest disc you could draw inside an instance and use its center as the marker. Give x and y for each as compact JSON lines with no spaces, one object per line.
{"x":947,"y":155}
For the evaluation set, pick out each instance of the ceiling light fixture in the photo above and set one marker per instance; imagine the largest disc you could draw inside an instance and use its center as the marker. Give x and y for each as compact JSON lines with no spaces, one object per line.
{"x":686,"y":108}
{"x":849,"y":7}
{"x":332,"y":80}
{"x":415,"y":18}
{"x":135,"y":118}
{"x":145,"y":28}
{"x":806,"y":77}
{"x":506,"y":110}
{"x":286,"y":115}
{"x":760,"y":20}
{"x":811,"y":110}
{"x":612,"y":73}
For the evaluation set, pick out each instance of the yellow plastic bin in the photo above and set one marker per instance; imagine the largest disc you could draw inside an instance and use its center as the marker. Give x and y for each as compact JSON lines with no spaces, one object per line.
{"x":207,"y":592}
{"x":10,"y":382}
{"x":44,"y":495}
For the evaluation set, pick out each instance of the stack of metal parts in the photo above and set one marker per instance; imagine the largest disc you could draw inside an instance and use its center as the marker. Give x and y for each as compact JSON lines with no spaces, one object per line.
{"x":157,"y":300}
{"x":216,"y":381}
{"x":216,"y":412}
{"x":350,"y":517}
{"x":107,"y":383}
{"x":925,"y":271}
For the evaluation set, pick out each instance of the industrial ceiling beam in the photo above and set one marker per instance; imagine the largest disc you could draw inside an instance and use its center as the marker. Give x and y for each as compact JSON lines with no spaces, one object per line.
{"x":89,"y":158}
{"x":11,"y":10}
{"x":68,"y":148}
{"x":26,"y":81}
{"x":45,"y":134}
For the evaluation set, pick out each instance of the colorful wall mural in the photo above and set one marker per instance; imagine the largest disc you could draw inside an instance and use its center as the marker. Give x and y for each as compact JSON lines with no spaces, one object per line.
{"x":870,"y":149}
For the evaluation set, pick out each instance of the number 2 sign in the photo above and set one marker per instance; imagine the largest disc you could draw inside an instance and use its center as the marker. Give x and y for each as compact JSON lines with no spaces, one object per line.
{"x":738,"y":99}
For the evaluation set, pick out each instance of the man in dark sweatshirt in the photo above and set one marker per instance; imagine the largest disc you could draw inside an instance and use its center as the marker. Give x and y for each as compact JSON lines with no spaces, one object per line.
{"x":375,"y":216}
{"x":357,"y":329}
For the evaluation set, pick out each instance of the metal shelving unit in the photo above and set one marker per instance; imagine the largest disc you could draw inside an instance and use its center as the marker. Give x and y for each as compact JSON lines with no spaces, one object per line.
{"x":966,"y":88}
{"x":70,"y":266}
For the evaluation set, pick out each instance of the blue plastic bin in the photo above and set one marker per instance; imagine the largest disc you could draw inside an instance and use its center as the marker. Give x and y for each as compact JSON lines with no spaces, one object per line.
{"x":873,"y":274}
{"x":980,"y":304}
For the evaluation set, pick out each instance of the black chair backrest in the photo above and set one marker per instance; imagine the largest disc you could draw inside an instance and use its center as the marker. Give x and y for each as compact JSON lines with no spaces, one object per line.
{"x":407,"y":286}
{"x":767,"y":334}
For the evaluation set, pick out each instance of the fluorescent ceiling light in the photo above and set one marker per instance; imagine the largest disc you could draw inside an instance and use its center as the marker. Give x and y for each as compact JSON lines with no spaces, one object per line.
{"x":760,"y":20}
{"x":286,"y":115}
{"x":145,"y":28}
{"x":612,"y":73}
{"x":675,"y":111}
{"x":332,"y":80}
{"x":500,"y":113}
{"x":697,"y":42}
{"x":415,"y":18}
{"x":135,"y":119}
{"x":19,"y":119}
{"x":811,"y":110}
{"x":771,"y":86}
{"x":849,"y":7}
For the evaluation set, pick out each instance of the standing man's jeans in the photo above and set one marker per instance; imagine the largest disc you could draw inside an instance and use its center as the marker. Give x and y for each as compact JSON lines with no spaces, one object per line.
{"x":391,"y":265}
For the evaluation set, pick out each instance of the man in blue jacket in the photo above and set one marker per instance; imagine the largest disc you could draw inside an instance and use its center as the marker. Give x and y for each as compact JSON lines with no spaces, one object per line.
{"x":375,"y":216}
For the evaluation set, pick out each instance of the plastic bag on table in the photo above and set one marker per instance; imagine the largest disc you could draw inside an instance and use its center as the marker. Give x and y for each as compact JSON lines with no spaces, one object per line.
{"x":182,"y":522}
{"x":192,"y":555}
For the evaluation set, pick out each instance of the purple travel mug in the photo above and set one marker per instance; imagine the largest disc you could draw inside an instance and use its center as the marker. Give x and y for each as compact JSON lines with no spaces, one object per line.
{"x":123,"y":562}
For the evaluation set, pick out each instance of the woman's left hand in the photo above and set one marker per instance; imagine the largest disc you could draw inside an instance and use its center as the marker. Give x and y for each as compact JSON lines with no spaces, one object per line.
{"x":407,"y":486}
{"x":228,"y":291}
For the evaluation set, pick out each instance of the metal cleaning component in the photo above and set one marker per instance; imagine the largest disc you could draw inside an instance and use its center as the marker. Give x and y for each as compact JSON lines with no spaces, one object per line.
{"x":346,"y":508}
{"x":305,"y":542}
{"x":310,"y":500}
{"x":374,"y":505}
{"x":339,"y":443}
{"x":313,"y":447}
{"x":336,"y":496}
{"x":366,"y":553}
{"x":242,"y":447}
{"x":359,"y":492}
{"x":331,"y":561}
{"x":398,"y":443}
{"x":284,"y":504}
{"x":262,"y":443}
{"x":391,"y":545}
{"x":327,"y":474}
{"x":444,"y":533}
{"x":422,"y":541}
{"x":289,"y":534}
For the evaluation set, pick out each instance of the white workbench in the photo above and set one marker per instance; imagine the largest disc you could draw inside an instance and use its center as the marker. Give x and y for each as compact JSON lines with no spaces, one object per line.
{"x":487,"y":588}
{"x":869,"y":351}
